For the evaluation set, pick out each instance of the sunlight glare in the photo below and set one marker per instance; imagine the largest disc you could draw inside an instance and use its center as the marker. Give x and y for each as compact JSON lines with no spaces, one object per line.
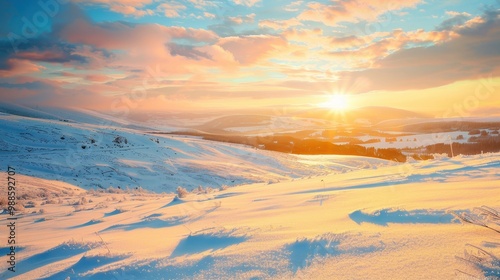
{"x":337,"y":102}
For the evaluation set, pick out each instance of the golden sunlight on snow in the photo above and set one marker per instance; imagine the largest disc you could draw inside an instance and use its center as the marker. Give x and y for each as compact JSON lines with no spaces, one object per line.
{"x":380,"y":222}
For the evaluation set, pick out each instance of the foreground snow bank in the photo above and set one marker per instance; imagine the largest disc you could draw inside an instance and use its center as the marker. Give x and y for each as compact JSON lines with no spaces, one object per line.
{"x":389,"y":222}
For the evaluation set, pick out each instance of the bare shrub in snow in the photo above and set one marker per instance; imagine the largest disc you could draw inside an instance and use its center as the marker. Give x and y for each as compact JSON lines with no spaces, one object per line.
{"x":120,"y":140}
{"x":474,"y":132}
{"x":52,"y":201}
{"x":24,"y":196}
{"x":101,"y":205}
{"x":30,"y":204}
{"x":83,"y":201}
{"x":482,"y":216}
{"x":111,"y":189}
{"x":181,"y":192}
{"x":484,"y":265}
{"x":138,"y":190}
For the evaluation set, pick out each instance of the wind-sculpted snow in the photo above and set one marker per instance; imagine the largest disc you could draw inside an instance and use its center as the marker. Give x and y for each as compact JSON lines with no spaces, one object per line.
{"x":61,"y":252}
{"x":85,"y":265}
{"x":149,"y":222}
{"x":89,"y":223}
{"x":304,"y":252}
{"x":198,"y":243}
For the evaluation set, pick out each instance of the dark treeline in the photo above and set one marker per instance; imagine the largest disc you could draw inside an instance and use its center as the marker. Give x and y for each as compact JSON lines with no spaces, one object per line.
{"x":293,"y":145}
{"x":288,"y":144}
{"x":318,"y":147}
{"x":436,"y":127}
{"x":488,"y":145}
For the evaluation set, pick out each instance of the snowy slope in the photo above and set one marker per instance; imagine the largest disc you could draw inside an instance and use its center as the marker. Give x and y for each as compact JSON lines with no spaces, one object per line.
{"x":288,"y":216}
{"x":85,"y":154}
{"x":387,"y":222}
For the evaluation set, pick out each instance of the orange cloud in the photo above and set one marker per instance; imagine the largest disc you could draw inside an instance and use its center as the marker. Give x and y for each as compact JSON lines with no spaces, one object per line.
{"x":347,"y":42}
{"x":171,"y":9}
{"x":16,"y":67}
{"x":313,"y":37}
{"x":242,"y":19}
{"x":249,"y":49}
{"x":97,"y":78}
{"x":363,"y":52}
{"x":120,"y":36}
{"x":125,"y":7}
{"x":130,"y":10}
{"x":352,"y":10}
{"x":463,"y":57}
{"x":41,"y":56}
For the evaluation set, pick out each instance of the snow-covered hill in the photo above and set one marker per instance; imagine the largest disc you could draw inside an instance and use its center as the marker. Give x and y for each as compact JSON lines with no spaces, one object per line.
{"x":94,"y":152}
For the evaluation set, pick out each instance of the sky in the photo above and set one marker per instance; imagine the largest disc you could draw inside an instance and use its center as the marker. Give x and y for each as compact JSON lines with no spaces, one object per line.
{"x":438,"y":57}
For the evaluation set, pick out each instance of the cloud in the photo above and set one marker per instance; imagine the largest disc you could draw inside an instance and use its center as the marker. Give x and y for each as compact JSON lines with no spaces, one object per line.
{"x":347,"y":42}
{"x":48,"y":47}
{"x":124,"y":7}
{"x":457,"y":19}
{"x":283,"y":55}
{"x":131,"y":11}
{"x":352,"y":10}
{"x":97,"y":78}
{"x":140,"y":8}
{"x":171,"y":9}
{"x":365,"y":51}
{"x":55,"y":56}
{"x":187,"y":51}
{"x":279,"y":24}
{"x":248,"y":3}
{"x":43,"y":49}
{"x":358,"y":52}
{"x":306,"y":36}
{"x":227,"y":27}
{"x":15,"y":67}
{"x":209,"y":15}
{"x":242,"y":19}
{"x":472,"y":55}
{"x":200,"y":4}
{"x":294,"y":6}
{"x":454,"y":13}
{"x":118,"y":35}
{"x":249,"y":49}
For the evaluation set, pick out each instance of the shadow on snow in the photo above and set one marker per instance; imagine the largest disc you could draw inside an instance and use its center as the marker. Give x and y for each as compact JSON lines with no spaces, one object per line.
{"x":385,"y":216}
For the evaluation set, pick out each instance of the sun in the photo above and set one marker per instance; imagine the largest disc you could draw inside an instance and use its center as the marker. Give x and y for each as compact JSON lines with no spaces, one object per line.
{"x":337,"y":102}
